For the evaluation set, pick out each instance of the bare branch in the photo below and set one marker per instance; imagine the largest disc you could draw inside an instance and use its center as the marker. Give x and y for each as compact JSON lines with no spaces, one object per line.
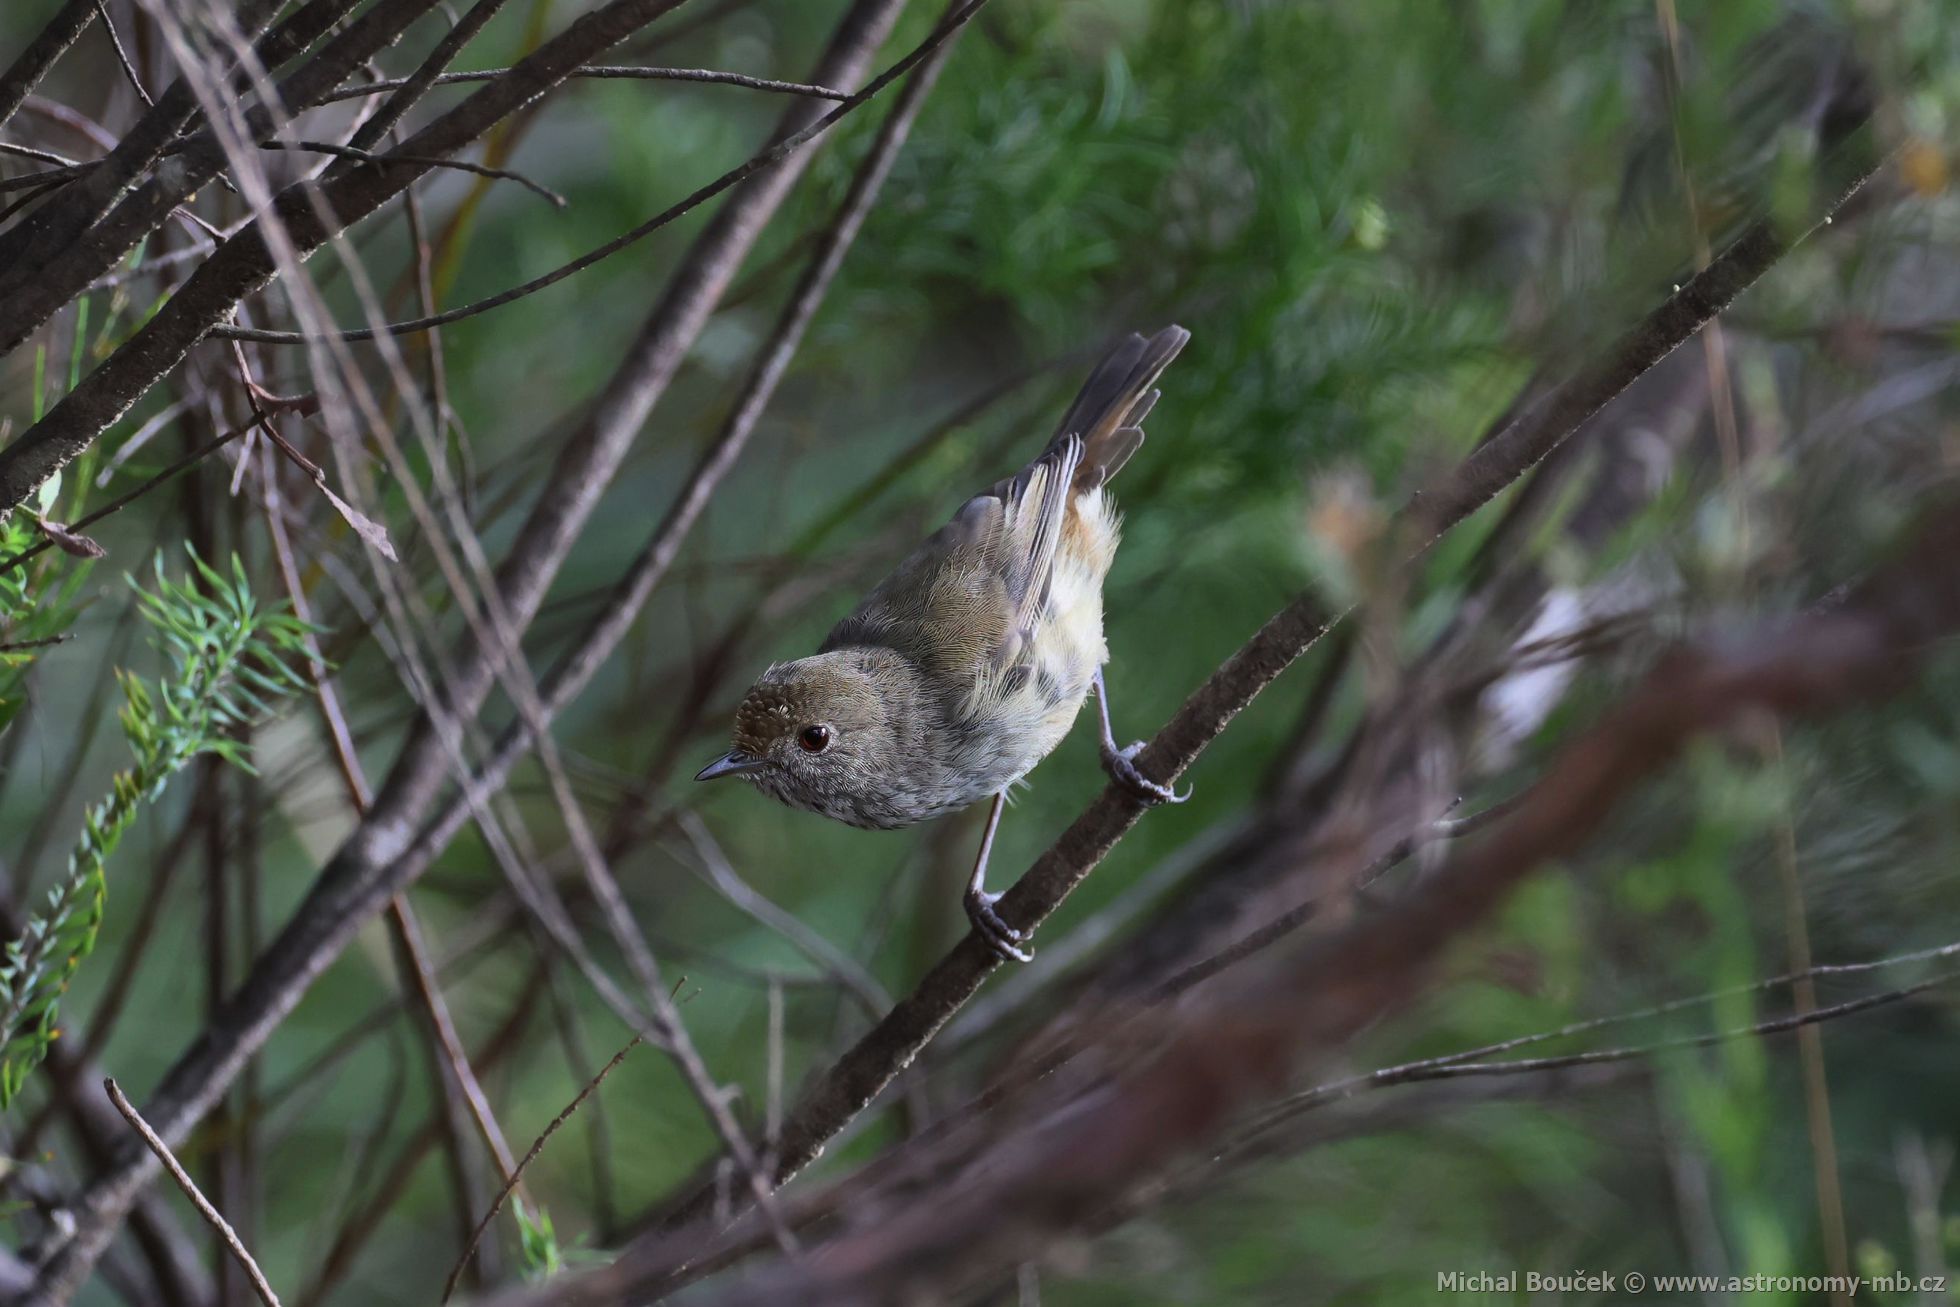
{"x":721,"y":873}
{"x":476,"y":1236}
{"x":122,"y":56}
{"x":391,"y":847}
{"x":1447,"y":1065}
{"x":1086,"y":1139}
{"x":863,"y":1072}
{"x":198,"y":1200}
{"x":26,"y":72}
{"x":615,"y":72}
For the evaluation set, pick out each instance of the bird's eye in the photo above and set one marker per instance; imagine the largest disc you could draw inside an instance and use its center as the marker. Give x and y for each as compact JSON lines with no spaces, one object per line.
{"x":814,"y":739}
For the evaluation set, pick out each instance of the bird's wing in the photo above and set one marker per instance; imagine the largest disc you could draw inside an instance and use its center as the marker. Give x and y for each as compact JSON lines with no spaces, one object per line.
{"x":965,"y":602}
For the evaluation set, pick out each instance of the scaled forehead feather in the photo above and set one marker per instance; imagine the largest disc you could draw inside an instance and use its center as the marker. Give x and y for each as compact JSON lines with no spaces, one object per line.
{"x":768,"y":702}
{"x":824,"y":688}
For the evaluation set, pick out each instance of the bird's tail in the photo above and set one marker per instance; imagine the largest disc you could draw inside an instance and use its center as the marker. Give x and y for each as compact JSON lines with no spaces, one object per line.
{"x":1108,"y":414}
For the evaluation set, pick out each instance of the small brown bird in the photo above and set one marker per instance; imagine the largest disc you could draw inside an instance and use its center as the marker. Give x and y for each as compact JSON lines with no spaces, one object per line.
{"x":968,"y":664}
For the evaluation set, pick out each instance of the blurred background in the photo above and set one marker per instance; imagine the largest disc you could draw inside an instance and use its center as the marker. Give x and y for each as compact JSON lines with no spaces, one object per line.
{"x":1387,"y":226}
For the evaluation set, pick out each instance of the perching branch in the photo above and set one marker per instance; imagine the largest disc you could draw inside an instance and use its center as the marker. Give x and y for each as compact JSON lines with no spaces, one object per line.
{"x":851,"y":1084}
{"x":1087,"y":1140}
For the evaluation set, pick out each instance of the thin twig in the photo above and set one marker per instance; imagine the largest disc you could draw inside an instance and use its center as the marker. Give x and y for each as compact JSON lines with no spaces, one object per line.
{"x":721,"y":873}
{"x":1438,"y":1069}
{"x":122,"y":56}
{"x":121,"y":502}
{"x":198,"y":1200}
{"x":768,"y":157}
{"x":615,"y":72}
{"x":496,"y":1205}
{"x":1431,"y":1068}
{"x":40,"y":156}
{"x":422,"y":161}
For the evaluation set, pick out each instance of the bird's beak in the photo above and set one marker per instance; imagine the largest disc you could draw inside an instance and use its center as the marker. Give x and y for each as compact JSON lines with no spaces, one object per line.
{"x":732,"y":763}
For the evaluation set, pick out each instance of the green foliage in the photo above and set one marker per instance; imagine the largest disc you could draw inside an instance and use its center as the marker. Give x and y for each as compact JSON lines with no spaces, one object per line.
{"x":537,"y":1242}
{"x":1380,"y":222}
{"x":227,"y":661}
{"x":30,"y":619}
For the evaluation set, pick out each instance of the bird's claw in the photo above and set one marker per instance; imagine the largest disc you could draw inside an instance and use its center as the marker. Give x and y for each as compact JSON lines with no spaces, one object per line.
{"x":1003,"y":939}
{"x":1122,"y":768}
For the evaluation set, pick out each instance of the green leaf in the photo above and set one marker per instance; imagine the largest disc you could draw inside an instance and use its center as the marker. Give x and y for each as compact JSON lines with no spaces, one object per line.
{"x":207,"y":639}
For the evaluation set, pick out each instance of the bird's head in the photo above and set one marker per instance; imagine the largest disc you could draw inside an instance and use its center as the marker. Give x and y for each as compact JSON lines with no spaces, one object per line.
{"x":818,"y":734}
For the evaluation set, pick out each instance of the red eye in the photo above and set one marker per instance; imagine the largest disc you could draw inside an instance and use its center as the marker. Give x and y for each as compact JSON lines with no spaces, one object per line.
{"x":814,"y":739}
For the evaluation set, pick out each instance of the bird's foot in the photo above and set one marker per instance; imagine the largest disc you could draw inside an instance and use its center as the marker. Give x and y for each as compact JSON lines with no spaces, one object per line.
{"x":1122,"y":768}
{"x":1003,"y":939}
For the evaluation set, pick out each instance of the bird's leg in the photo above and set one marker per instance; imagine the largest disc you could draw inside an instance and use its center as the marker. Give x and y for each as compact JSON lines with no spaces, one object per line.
{"x":1002,"y":938}
{"x":1121,"y":764}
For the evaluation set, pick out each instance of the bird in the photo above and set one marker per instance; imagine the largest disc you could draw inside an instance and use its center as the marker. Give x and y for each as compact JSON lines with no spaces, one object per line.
{"x":968,"y":665}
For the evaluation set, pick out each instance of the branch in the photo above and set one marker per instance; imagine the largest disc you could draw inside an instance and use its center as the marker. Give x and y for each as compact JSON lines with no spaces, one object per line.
{"x":1093,"y":1137}
{"x":621,"y":72}
{"x":122,"y":56}
{"x":26,"y":72}
{"x":718,"y":871}
{"x":857,"y":1078}
{"x":392,"y":845}
{"x":1465,"y":1062}
{"x":476,"y":1235}
{"x":198,"y":1200}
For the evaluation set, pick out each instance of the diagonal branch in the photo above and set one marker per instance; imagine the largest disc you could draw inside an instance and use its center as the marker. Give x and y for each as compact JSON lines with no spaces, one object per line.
{"x":198,"y":1200}
{"x":392,"y":846}
{"x":1085,"y":1141}
{"x":615,"y":72}
{"x":863,"y":1072}
{"x":27,"y":70}
{"x":36,"y":255}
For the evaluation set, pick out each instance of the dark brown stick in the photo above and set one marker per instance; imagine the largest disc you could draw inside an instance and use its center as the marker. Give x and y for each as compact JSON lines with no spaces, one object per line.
{"x":497,"y":1205}
{"x":616,"y":72}
{"x":1084,"y":1142}
{"x":391,"y":846}
{"x":850,"y":1085}
{"x":26,"y":71}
